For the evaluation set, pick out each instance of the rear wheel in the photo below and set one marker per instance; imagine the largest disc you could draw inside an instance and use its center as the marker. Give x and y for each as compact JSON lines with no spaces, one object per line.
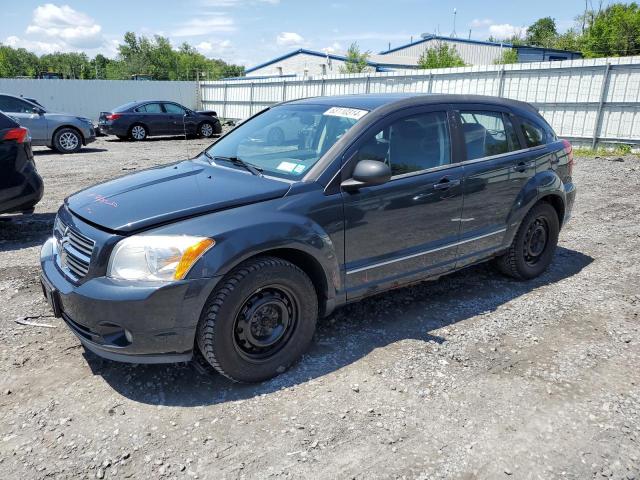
{"x":259,"y":320}
{"x":67,"y":140}
{"x":533,"y":247}
{"x":138,"y":132}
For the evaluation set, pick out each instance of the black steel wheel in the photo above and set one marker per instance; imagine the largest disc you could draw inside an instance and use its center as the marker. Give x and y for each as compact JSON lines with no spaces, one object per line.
{"x":259,"y":320}
{"x":534,"y":245}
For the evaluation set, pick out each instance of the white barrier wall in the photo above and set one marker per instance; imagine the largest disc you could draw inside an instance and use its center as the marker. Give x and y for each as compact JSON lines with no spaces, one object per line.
{"x":88,"y":98}
{"x":585,"y":100}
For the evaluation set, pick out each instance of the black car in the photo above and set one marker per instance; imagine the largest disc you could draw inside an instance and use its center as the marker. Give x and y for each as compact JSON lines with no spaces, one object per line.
{"x":237,"y":252}
{"x":21,"y":187}
{"x":139,"y":120}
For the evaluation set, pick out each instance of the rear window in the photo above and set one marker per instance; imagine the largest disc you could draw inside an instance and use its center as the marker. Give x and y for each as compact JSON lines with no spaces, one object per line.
{"x":124,"y":108}
{"x":6,"y":122}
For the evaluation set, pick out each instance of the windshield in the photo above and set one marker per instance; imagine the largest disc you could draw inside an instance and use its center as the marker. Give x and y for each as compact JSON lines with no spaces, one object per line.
{"x":288,"y":140}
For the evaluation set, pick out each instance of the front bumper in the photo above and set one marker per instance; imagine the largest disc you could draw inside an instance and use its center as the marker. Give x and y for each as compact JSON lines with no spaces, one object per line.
{"x":127,"y":322}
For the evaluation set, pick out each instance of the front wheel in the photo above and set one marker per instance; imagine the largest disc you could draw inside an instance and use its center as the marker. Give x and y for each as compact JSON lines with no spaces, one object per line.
{"x":259,"y":320}
{"x":534,"y":245}
{"x":67,"y":140}
{"x":205,"y":130}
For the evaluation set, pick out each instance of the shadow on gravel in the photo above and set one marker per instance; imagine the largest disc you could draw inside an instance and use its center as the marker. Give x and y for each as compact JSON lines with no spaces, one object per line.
{"x":24,"y":231}
{"x":347,"y":336}
{"x":45,"y":152}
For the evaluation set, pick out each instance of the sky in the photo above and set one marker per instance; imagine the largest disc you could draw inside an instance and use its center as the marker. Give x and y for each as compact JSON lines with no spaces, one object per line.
{"x":249,"y":32}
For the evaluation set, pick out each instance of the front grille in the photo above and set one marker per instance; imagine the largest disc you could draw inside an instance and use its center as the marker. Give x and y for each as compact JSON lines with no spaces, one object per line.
{"x":74,"y":250}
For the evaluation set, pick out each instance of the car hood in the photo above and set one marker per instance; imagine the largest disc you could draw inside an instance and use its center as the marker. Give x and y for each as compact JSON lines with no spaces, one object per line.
{"x":169,"y":193}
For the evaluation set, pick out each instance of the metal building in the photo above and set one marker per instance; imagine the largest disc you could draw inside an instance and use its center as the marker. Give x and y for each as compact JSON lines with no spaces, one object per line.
{"x":304,"y":62}
{"x":478,"y":52}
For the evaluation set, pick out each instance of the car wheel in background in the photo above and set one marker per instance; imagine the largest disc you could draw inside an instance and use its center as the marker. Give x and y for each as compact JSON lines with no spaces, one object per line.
{"x":534,"y":245}
{"x":67,"y":140}
{"x":275,"y":136}
{"x":138,"y":132}
{"x":259,"y":320}
{"x":205,"y":130}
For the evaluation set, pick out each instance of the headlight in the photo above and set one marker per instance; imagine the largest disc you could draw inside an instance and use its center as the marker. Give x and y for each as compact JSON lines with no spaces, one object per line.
{"x":161,"y":257}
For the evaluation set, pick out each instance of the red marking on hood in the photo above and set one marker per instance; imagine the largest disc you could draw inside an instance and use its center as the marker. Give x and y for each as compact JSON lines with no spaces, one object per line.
{"x":102,"y":199}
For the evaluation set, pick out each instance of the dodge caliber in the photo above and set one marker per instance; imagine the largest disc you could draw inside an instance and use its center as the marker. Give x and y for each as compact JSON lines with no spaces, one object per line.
{"x":234,"y":255}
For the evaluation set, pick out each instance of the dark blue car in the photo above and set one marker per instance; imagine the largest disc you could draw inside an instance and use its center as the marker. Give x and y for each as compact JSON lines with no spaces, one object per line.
{"x":237,"y":252}
{"x":141,"y":119}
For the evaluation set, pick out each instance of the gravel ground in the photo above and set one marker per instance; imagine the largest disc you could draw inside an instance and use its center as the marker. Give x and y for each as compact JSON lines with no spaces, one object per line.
{"x":473,"y":376}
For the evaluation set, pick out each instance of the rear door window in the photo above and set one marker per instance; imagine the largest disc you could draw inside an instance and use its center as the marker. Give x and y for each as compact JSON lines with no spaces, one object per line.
{"x":487,"y":133}
{"x":153,"y":108}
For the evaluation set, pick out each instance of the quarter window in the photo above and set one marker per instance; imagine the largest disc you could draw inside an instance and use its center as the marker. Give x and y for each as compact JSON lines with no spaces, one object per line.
{"x":487,"y":134}
{"x":533,"y":134}
{"x":411,"y":144}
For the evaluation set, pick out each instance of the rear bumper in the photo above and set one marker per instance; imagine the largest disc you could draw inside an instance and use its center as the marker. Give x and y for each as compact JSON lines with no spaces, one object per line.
{"x":570,"y":198}
{"x":125,"y":322}
{"x":109,"y":129}
{"x":30,"y":194}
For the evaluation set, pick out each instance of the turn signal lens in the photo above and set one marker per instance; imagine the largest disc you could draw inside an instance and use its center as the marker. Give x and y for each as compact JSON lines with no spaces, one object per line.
{"x":190,"y":256}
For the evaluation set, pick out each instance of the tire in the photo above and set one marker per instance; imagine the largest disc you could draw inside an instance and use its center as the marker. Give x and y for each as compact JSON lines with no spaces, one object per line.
{"x":534,"y":245}
{"x":122,"y":137}
{"x":275,"y":136}
{"x":67,"y":140}
{"x":206,"y":130}
{"x":259,"y":320}
{"x":138,"y":132}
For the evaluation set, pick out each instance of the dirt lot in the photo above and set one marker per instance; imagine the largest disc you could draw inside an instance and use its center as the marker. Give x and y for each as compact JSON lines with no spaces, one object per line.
{"x":473,"y":376}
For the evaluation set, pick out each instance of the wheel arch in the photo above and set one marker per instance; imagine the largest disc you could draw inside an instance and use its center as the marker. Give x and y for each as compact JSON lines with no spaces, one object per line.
{"x":306,"y":262}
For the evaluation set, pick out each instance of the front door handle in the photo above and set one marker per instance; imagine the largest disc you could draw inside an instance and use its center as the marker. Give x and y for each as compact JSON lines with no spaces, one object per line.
{"x":446,"y":183}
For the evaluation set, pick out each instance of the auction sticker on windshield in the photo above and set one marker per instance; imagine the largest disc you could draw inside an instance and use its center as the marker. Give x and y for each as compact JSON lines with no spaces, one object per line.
{"x":353,"y":113}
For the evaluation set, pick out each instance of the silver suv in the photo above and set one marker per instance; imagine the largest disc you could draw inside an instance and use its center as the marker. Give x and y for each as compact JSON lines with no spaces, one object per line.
{"x":60,"y":131}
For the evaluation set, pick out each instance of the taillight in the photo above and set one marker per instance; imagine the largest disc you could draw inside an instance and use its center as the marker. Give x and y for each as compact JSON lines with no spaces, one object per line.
{"x":568,"y":149}
{"x":19,"y":134}
{"x":113,"y":116}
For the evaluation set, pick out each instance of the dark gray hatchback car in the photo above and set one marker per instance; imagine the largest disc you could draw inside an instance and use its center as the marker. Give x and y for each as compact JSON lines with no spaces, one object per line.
{"x":236,"y":253}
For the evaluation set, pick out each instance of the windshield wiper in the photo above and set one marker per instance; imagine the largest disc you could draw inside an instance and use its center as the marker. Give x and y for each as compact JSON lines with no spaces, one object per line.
{"x":255,"y":170}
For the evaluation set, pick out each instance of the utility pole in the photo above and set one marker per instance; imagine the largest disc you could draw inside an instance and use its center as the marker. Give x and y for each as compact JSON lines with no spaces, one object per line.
{"x":455,"y":13}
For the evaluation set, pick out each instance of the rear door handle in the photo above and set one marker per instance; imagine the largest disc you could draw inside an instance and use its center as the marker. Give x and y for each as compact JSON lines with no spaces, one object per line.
{"x":523,"y":166}
{"x":446,"y":183}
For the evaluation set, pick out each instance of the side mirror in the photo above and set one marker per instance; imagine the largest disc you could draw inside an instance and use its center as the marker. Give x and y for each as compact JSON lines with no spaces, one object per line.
{"x":367,"y":173}
{"x":41,"y":111}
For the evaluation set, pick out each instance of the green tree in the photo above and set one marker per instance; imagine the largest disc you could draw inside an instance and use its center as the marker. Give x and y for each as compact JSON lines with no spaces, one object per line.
{"x":442,"y":55}
{"x":509,"y":55}
{"x":542,"y":32}
{"x":614,"y":31}
{"x":17,"y":62}
{"x":356,"y":62}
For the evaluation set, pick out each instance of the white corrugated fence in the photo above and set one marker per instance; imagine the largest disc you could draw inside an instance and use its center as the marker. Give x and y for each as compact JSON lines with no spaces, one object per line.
{"x":589,"y":100}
